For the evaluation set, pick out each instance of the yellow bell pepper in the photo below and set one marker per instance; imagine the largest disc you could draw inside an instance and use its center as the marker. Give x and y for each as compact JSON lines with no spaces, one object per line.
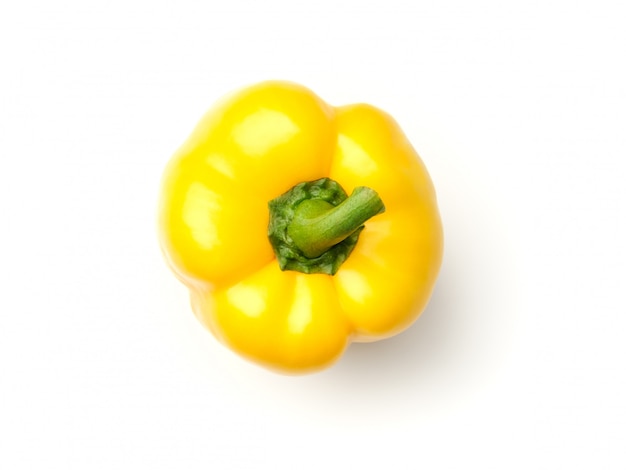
{"x":282,"y":266}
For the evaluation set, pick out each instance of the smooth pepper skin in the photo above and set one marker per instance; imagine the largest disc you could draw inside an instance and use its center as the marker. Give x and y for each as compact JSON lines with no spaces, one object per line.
{"x":255,"y":145}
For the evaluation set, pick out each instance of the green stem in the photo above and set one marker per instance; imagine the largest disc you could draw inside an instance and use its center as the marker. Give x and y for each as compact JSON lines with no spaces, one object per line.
{"x":318,"y":226}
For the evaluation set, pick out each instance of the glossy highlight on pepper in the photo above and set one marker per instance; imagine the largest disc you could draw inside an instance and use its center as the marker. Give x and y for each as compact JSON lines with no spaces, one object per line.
{"x":219,"y":195}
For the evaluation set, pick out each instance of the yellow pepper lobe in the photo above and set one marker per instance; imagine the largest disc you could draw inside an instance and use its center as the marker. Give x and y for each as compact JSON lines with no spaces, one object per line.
{"x":217,"y":197}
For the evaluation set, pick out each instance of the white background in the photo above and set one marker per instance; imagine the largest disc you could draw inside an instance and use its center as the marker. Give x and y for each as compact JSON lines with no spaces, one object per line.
{"x":518,"y":110}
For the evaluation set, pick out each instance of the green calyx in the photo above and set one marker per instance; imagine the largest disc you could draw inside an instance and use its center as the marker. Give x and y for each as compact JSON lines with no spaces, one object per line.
{"x":315,"y":225}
